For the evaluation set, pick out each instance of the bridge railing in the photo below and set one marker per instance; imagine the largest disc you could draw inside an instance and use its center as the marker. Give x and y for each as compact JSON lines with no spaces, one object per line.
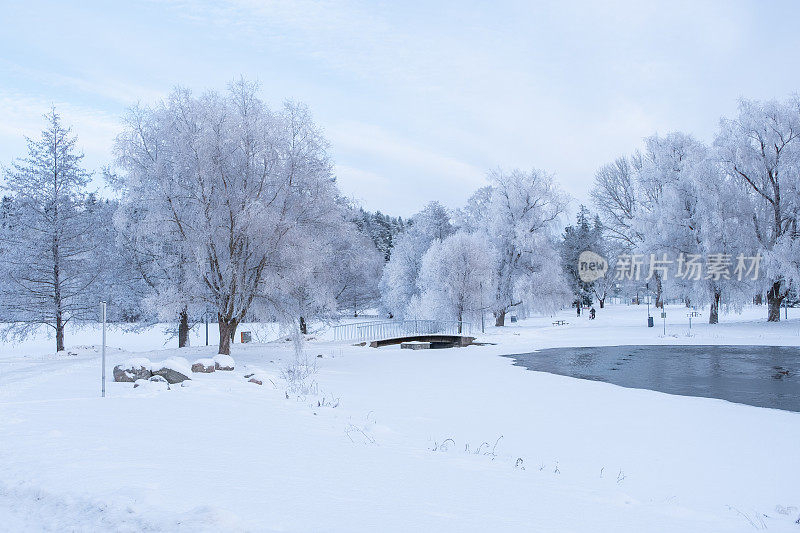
{"x":387,"y":329}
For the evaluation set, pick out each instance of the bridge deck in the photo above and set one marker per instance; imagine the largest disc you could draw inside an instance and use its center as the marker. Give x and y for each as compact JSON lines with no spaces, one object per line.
{"x":437,"y":341}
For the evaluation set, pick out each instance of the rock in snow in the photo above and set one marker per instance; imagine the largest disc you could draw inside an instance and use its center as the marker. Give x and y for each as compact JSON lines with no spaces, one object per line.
{"x":223,"y":362}
{"x":259,"y":377}
{"x":170,"y":375}
{"x":173,"y":370}
{"x":132,"y":370}
{"x":154,"y":383}
{"x":204,"y":366}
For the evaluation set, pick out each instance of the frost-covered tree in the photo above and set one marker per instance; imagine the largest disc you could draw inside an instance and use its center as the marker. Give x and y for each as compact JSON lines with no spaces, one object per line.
{"x":156,"y":273}
{"x":629,"y":194}
{"x":244,"y":189}
{"x":382,"y":229}
{"x":584,"y":235}
{"x":47,"y":258}
{"x":456,"y":277}
{"x":698,"y":212}
{"x":615,"y":197}
{"x":520,"y":220}
{"x":399,"y":280}
{"x":355,"y":267}
{"x":670,"y":202}
{"x":761,"y":149}
{"x":666,"y":221}
{"x":339,"y":268}
{"x":472,"y":217}
{"x":117,"y":283}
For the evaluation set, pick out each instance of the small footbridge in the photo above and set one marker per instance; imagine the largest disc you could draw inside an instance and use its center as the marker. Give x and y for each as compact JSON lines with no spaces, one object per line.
{"x":434,"y":333}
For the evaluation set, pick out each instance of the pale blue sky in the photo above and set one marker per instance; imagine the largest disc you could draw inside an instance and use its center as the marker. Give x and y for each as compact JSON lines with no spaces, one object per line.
{"x":419,"y":99}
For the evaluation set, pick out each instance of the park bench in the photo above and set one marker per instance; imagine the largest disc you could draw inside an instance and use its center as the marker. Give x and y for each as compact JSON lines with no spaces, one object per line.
{"x":560,"y":323}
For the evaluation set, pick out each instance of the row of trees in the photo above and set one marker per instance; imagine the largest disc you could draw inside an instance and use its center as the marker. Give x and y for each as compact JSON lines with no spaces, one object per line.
{"x":497,"y":253}
{"x":224,"y":208}
{"x":738,"y":197}
{"x":674,"y":202}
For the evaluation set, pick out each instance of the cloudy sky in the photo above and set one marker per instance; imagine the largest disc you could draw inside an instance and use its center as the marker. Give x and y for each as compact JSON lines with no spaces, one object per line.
{"x":419,"y":99}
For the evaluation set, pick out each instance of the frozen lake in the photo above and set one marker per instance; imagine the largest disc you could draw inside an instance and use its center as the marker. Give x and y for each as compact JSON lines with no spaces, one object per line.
{"x":763,"y":376}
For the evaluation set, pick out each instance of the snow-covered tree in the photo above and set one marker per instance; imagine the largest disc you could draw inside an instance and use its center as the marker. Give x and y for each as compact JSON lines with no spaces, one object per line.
{"x":456,"y":278}
{"x":761,"y":149}
{"x":382,"y":229}
{"x":244,"y":188}
{"x":48,"y":248}
{"x":615,"y":197}
{"x":399,"y":280}
{"x":157,"y":264}
{"x":584,"y":235}
{"x":520,"y":219}
{"x":356,"y":266}
{"x":698,"y":212}
{"x":666,"y":221}
{"x":472,"y":217}
{"x":671,"y":202}
{"x":339,"y":268}
{"x":117,"y":283}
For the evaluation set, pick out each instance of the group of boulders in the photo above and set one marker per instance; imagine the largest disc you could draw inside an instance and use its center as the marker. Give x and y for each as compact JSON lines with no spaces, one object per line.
{"x":160,"y":375}
{"x":140,"y":370}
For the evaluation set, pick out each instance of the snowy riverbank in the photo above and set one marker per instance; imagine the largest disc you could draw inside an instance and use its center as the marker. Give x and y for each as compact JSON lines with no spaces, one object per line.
{"x":454,"y":440}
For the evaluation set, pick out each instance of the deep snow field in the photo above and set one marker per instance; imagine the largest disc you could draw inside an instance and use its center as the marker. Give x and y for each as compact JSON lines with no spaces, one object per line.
{"x":391,"y":440}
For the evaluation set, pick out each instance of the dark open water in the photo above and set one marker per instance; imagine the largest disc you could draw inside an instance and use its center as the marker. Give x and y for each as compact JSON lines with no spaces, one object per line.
{"x":763,"y":376}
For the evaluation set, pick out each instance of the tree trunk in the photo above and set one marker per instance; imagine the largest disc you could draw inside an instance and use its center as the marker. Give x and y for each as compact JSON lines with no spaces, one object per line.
{"x":183,"y":329}
{"x":659,"y":293}
{"x":713,"y":314}
{"x":227,"y":329}
{"x":303,"y":326}
{"x":774,"y":299}
{"x":500,"y":318}
{"x":59,"y":332}
{"x":57,"y":301}
{"x":602,"y":302}
{"x":759,"y":299}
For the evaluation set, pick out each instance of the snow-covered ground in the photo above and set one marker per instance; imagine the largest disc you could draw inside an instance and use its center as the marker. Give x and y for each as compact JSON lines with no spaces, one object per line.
{"x":392,"y":440}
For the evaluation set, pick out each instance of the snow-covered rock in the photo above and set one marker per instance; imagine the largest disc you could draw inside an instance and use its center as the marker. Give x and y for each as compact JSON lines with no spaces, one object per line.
{"x":203,"y":366}
{"x":132,"y":370}
{"x":224,"y":362}
{"x":170,"y":375}
{"x":155,"y":383}
{"x":174,"y":369}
